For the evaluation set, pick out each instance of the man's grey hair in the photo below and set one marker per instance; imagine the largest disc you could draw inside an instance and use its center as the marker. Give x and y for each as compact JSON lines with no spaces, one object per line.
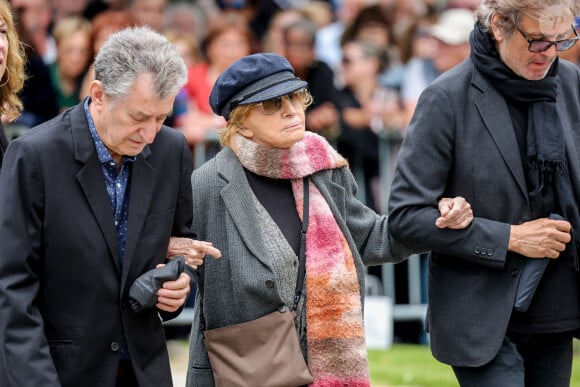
{"x":511,"y":11}
{"x":135,"y":51}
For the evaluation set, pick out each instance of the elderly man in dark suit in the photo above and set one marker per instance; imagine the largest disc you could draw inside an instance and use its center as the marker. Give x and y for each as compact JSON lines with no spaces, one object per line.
{"x":89,"y":202}
{"x":502,"y":129}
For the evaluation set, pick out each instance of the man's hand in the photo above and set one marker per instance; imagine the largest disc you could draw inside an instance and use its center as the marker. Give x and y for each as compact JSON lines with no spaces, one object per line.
{"x":173,"y":294}
{"x":540,"y":238}
{"x":456,"y":213}
{"x":192,"y":250}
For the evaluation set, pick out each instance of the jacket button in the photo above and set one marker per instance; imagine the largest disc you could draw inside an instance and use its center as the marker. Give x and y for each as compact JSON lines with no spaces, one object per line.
{"x":282,"y":308}
{"x":489,"y":252}
{"x":269,"y":284}
{"x":477,"y":250}
{"x":515,"y":272}
{"x":115,"y":346}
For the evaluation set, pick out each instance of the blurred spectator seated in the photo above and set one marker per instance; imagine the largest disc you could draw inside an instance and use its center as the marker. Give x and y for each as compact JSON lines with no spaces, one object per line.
{"x":273,"y":39}
{"x":228,"y":39}
{"x":148,"y":13}
{"x":32,"y":18}
{"x":73,"y":48}
{"x":322,"y":116}
{"x":35,"y":19}
{"x":189,"y":50}
{"x":373,"y":25}
{"x":361,"y":117}
{"x":186,"y":18}
{"x":450,"y":36}
{"x":66,"y":8}
{"x":328,"y":46}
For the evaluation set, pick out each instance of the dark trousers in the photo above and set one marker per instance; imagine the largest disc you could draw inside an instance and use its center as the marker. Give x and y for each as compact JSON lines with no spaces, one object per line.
{"x":126,"y":375}
{"x":538,"y":360}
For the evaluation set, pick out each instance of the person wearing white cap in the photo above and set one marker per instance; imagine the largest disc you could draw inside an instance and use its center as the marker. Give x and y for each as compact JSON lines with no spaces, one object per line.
{"x":502,"y":130}
{"x":451,"y":40}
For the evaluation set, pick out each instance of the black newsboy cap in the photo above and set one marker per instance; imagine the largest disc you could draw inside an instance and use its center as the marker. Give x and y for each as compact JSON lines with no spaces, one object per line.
{"x":253,"y":78}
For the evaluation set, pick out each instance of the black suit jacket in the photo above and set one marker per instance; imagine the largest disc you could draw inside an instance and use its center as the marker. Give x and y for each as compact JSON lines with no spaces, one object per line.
{"x":461,"y":141}
{"x":63,"y":296}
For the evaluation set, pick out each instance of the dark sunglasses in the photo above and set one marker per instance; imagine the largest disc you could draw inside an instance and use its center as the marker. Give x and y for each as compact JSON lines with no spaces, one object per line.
{"x":271,"y":106}
{"x":540,"y":45}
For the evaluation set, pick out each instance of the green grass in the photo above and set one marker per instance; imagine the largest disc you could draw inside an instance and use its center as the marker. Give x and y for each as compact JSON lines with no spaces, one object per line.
{"x":413,"y":365}
{"x":403,"y":365}
{"x":408,"y":365}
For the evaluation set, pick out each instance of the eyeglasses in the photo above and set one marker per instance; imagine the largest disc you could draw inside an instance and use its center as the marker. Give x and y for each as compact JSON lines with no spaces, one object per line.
{"x":540,"y":45}
{"x":271,"y":106}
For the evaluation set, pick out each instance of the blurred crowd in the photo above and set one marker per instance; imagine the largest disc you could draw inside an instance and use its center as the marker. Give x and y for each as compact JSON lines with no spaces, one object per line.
{"x":366,"y":61}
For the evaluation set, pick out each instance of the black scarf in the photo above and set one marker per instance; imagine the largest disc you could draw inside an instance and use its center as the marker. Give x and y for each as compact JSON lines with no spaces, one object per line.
{"x":546,"y":147}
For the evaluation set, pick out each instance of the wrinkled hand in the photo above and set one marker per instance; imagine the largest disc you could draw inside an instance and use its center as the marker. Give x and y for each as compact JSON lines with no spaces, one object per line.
{"x":173,"y":294}
{"x":540,"y":238}
{"x":456,"y":213}
{"x":192,"y":250}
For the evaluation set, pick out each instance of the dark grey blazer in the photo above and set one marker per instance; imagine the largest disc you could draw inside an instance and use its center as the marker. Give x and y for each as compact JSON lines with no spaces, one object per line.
{"x":63,"y":296}
{"x":242,"y":286}
{"x":461,"y":142}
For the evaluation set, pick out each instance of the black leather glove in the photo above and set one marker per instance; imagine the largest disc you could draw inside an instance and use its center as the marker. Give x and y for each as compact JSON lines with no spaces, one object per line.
{"x":143,"y":292}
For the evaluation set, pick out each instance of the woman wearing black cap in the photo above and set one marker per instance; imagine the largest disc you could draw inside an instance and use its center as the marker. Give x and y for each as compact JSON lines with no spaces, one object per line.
{"x":249,"y":201}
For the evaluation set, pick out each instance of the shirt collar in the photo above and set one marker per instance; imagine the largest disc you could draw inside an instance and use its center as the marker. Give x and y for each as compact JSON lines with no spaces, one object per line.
{"x":102,"y":151}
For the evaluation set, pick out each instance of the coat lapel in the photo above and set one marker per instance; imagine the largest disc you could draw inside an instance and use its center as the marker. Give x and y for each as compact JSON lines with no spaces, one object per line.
{"x":241,"y":207}
{"x":92,"y":182}
{"x":493,"y":111}
{"x":143,"y":176}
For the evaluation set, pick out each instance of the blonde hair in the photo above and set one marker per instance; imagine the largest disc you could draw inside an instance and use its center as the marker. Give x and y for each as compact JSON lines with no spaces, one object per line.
{"x":13,"y":78}
{"x":70,"y":25}
{"x":239,"y":115}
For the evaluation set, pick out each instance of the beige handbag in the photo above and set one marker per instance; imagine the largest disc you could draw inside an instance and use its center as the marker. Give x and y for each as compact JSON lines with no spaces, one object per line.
{"x":261,"y":352}
{"x":264,"y":352}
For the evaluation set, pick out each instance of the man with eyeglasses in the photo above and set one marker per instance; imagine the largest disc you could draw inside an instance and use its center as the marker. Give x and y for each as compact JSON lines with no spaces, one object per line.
{"x":501,"y":129}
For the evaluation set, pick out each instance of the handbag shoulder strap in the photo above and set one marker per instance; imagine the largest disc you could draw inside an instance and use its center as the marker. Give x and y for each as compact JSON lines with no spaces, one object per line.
{"x":302,"y":255}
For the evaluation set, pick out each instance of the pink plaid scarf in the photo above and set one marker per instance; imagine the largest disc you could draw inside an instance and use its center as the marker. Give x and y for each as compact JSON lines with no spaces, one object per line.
{"x":335,"y":331}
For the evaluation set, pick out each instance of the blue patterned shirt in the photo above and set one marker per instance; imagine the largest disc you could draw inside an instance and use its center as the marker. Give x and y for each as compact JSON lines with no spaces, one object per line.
{"x":117,"y":182}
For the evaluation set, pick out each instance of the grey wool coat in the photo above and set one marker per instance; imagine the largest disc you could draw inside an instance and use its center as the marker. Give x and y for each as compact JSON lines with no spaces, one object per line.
{"x":238,"y":287}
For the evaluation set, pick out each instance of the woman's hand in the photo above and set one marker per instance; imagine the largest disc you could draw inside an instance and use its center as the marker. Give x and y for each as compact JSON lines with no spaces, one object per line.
{"x":456,"y":213}
{"x":192,"y":250}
